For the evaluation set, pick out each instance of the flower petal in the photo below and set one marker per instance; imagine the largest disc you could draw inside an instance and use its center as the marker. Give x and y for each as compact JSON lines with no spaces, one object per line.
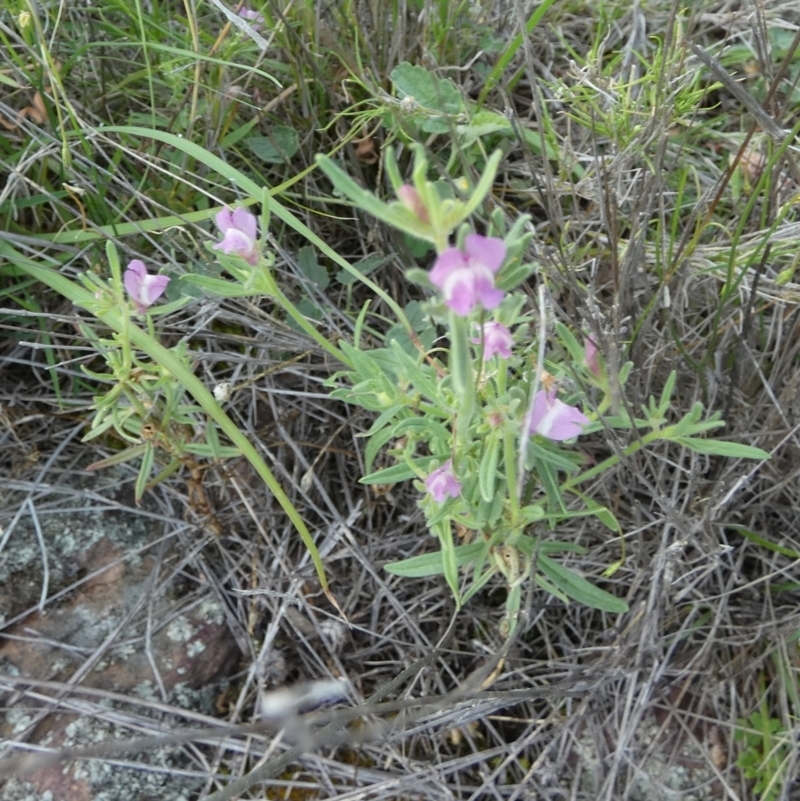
{"x":466,"y":278}
{"x":144,"y":289}
{"x":459,"y":292}
{"x":486,"y":293}
{"x":224,"y":219}
{"x":555,"y":419}
{"x":486,"y":250}
{"x":591,"y":356}
{"x":246,"y":223}
{"x":154,"y":286}
{"x":134,"y":275}
{"x":451,"y":259}
{"x":496,"y":339}
{"x":235,"y":241}
{"x":442,"y":483}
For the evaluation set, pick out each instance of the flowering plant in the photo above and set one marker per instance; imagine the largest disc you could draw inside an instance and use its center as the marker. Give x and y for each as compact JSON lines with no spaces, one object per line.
{"x":487,"y":424}
{"x":156,"y":405}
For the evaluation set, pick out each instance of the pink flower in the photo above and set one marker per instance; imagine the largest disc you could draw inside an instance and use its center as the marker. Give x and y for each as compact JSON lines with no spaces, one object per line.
{"x":466,"y":278}
{"x":441,"y":483}
{"x":496,"y":339}
{"x":590,"y":357}
{"x":553,"y":418}
{"x":253,"y":17}
{"x":239,"y":234}
{"x":143,"y":288}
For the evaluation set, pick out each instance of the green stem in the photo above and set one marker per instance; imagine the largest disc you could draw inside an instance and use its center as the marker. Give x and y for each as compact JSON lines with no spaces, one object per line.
{"x":309,"y":329}
{"x":613,"y":460}
{"x":510,"y":459}
{"x":124,"y":335}
{"x":462,"y":376}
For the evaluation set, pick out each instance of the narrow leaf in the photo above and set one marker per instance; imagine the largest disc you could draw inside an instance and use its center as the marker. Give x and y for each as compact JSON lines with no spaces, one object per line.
{"x":716,"y":447}
{"x":578,"y":588}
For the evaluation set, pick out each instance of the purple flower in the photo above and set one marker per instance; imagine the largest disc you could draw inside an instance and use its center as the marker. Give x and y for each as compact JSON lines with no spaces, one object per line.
{"x":553,"y":418}
{"x":590,"y":357}
{"x":466,"y":278}
{"x":441,"y":483}
{"x":496,"y":339}
{"x":143,"y":288}
{"x":239,"y":234}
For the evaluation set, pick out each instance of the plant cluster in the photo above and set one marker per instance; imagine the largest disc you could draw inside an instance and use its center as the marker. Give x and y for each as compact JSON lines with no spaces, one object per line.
{"x":480,"y":402}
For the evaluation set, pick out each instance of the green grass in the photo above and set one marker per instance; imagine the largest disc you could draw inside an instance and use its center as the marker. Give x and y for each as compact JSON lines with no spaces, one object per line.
{"x":134,"y":122}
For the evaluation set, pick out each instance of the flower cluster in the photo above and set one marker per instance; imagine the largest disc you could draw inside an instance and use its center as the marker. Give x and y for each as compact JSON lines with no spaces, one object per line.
{"x":239,"y":236}
{"x":548,"y":417}
{"x":466,"y":279}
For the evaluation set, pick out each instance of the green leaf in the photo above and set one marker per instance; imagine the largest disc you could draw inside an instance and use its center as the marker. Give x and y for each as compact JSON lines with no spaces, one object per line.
{"x":666,"y":394}
{"x":375,"y":443}
{"x":311,"y":268}
{"x":483,"y":123}
{"x":487,"y":513}
{"x":397,"y":472}
{"x":418,"y":375}
{"x":764,"y":542}
{"x":134,"y":452}
{"x":218,"y":286}
{"x":278,"y":147}
{"x":513,"y":275}
{"x":551,"y":589}
{"x":430,"y":91}
{"x":478,"y":584}
{"x":237,"y":134}
{"x":528,"y":545}
{"x":309,"y":310}
{"x":395,"y":215}
{"x":602,"y":513}
{"x":547,"y":453}
{"x":449,"y":561}
{"x":168,"y":308}
{"x":487,"y":470}
{"x":363,"y":267}
{"x":209,"y":451}
{"x":430,"y":564}
{"x":532,"y":514}
{"x":212,"y":439}
{"x":717,"y":447}
{"x":533,"y":138}
{"x":425,"y":428}
{"x":578,"y":588}
{"x":576,"y":350}
{"x":145,"y":470}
